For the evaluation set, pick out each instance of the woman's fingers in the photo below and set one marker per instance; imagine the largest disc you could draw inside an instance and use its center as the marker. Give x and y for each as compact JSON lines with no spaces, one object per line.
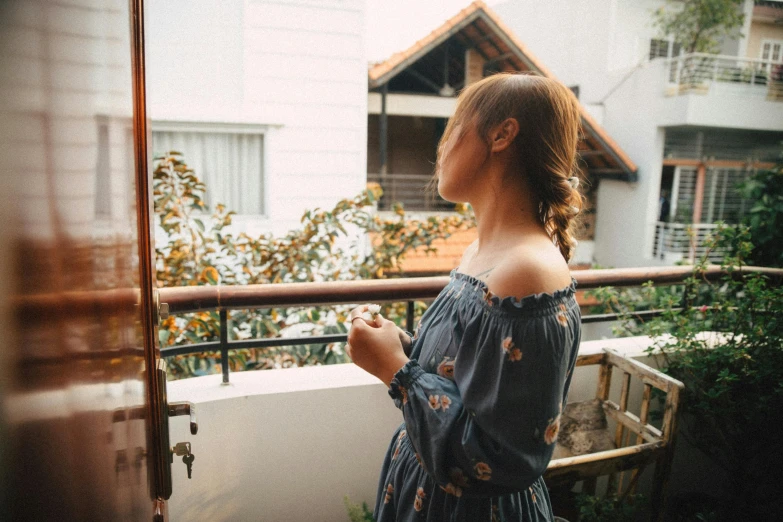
{"x":357,"y":312}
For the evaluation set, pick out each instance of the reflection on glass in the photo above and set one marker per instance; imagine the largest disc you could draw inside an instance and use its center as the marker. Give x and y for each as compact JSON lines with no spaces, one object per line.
{"x":71,"y":359}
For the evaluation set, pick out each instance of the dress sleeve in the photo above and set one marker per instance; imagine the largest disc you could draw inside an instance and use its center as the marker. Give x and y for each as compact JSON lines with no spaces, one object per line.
{"x":492,"y":429}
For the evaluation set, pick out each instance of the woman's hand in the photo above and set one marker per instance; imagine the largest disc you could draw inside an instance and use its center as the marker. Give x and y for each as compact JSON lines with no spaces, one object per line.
{"x":375,"y":345}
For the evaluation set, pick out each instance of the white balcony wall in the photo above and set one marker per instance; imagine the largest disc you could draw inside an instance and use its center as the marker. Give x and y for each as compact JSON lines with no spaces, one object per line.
{"x":289,"y":444}
{"x":296,"y":66}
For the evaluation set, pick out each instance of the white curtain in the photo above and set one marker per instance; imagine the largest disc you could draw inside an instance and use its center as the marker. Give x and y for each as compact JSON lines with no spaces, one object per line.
{"x":229,"y":164}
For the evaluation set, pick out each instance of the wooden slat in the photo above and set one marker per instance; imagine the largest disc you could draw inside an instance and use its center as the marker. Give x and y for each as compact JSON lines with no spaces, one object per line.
{"x":646,"y":396}
{"x":590,"y":359}
{"x":647,"y":374}
{"x":572,"y":469}
{"x":623,"y":406}
{"x":604,"y":381}
{"x":649,"y":432}
{"x":618,"y":435}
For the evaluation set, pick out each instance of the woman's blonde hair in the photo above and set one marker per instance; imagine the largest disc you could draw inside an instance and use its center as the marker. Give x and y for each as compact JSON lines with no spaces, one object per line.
{"x":549,"y":122}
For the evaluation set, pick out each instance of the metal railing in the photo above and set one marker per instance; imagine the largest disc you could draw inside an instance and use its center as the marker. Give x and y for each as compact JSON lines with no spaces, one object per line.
{"x":703,"y":73}
{"x":411,"y":190}
{"x":188,"y":299}
{"x":678,"y":241}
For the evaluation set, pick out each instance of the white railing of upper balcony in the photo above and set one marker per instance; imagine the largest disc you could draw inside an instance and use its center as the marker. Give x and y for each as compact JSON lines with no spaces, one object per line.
{"x":677,"y":241}
{"x":703,"y":73}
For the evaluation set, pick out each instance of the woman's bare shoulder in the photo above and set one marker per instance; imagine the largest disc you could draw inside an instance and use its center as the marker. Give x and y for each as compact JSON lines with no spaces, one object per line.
{"x":529,"y":269}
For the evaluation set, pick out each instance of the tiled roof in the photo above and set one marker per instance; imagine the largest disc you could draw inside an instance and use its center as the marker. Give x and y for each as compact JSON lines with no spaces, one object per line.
{"x":481,"y":27}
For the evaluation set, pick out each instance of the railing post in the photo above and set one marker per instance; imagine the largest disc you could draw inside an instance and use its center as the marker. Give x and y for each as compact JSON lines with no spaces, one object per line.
{"x":409,"y":317}
{"x":715,"y":71}
{"x":224,"y":344}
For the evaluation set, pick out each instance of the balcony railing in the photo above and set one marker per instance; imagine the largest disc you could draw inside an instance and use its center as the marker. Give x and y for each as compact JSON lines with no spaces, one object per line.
{"x":704,"y":73}
{"x":677,"y":241}
{"x":224,"y":298}
{"x":411,"y":190}
{"x":271,"y":435}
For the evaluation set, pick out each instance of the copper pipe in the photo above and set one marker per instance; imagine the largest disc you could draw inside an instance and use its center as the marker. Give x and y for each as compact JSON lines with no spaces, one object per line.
{"x":197,"y":298}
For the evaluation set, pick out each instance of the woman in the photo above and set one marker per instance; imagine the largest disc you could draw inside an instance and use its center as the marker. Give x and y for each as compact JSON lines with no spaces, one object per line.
{"x":483,"y":382}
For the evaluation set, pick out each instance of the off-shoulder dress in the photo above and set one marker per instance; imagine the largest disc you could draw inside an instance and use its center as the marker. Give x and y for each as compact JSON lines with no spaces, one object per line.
{"x":481,"y":400}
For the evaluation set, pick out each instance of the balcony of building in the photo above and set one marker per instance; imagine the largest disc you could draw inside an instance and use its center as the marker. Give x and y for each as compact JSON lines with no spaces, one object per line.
{"x":720,"y":91}
{"x":291,"y":443}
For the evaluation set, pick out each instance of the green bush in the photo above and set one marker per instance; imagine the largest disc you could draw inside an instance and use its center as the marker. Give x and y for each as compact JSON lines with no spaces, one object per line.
{"x":200,"y":249}
{"x":357,"y":513}
{"x":724,"y":341}
{"x":765,"y":219}
{"x":610,"y":508}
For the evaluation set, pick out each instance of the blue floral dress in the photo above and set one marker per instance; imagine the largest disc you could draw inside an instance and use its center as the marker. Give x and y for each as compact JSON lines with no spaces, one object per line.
{"x":481,"y":398}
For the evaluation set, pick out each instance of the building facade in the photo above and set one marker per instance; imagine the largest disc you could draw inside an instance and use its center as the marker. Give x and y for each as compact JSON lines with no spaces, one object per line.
{"x":694,"y":124}
{"x":266,"y":99}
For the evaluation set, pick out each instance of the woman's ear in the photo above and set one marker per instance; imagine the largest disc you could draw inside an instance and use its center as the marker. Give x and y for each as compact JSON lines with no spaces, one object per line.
{"x":503,"y":135}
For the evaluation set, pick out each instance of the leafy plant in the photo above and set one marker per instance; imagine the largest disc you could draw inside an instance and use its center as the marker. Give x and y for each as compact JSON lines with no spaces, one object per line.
{"x":765,"y":219}
{"x":357,"y":513}
{"x":610,"y":508}
{"x":724,"y":341}
{"x":201,"y":249}
{"x":699,"y":25}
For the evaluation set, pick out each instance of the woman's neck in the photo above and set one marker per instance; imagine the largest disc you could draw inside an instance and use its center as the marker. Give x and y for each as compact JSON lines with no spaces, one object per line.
{"x":502,"y":215}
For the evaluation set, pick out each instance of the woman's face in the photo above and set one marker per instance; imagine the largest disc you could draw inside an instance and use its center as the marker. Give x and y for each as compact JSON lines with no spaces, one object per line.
{"x":459,"y":164}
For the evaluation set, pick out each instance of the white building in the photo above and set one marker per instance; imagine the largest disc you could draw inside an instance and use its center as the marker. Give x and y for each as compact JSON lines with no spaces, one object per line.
{"x":694,"y":124}
{"x":266,"y":99}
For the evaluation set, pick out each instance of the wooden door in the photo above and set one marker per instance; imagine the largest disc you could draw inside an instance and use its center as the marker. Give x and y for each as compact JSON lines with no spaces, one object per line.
{"x":80,"y":419}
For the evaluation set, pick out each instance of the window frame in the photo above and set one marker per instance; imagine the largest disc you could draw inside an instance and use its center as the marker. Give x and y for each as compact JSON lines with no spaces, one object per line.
{"x":772,"y":42}
{"x":206,"y":127}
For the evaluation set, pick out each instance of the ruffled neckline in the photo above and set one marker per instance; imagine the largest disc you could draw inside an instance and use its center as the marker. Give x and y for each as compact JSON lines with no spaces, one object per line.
{"x":528,"y":302}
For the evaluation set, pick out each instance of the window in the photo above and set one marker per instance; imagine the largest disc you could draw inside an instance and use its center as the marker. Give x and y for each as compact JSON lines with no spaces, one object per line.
{"x":772,"y":50}
{"x":660,"y":48}
{"x":722,"y":200}
{"x":103,"y":174}
{"x":229,"y":159}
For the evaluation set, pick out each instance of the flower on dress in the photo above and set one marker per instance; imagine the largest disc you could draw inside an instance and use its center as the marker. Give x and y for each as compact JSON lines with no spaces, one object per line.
{"x":418,"y":502}
{"x":389,"y":493}
{"x":550,"y":435}
{"x":514,"y":353}
{"x":446,"y":368}
{"x":435,"y":402}
{"x":451,"y":489}
{"x":418,"y":459}
{"x":404,"y":395}
{"x":445,"y":402}
{"x":532,"y":494}
{"x":483,"y":471}
{"x":561,"y":315}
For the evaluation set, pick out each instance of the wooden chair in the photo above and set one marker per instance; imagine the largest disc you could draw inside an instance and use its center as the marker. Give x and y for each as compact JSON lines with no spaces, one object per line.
{"x":650,"y":445}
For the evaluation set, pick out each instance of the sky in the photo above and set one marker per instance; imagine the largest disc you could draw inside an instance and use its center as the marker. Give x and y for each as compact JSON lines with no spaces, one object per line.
{"x":395,"y":25}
